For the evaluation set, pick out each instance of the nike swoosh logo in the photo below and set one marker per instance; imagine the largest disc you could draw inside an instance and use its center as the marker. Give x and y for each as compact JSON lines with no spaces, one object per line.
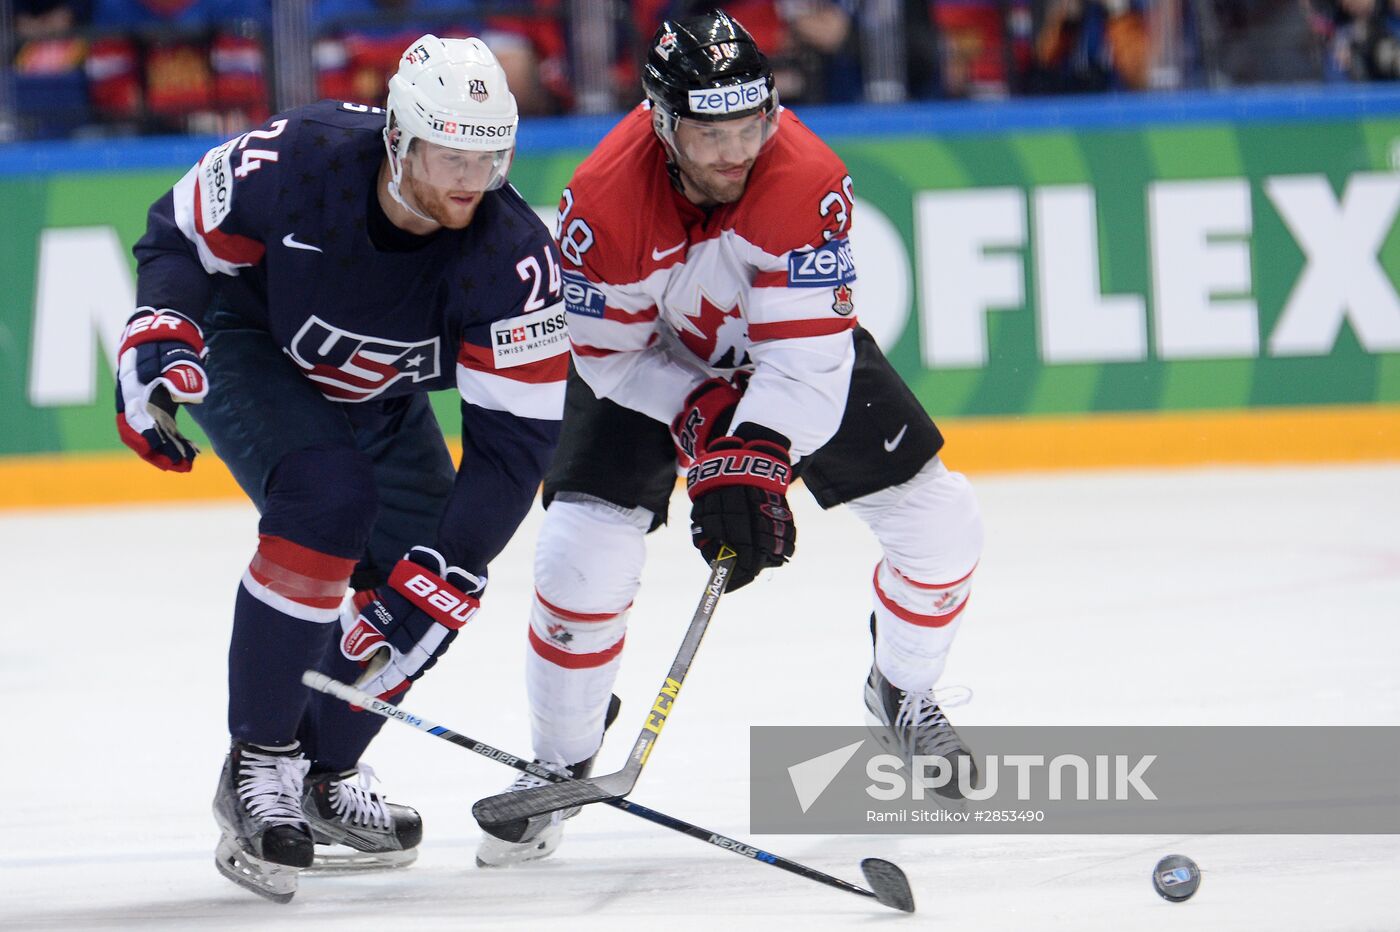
{"x":658,"y":254}
{"x":896,"y":440}
{"x":288,"y":241}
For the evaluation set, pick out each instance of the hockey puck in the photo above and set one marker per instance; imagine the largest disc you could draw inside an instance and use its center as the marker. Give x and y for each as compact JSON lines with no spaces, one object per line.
{"x":1176,"y":877}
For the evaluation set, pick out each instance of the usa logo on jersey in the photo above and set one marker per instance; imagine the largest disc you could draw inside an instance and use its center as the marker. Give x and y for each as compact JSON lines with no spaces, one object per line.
{"x":352,"y":367}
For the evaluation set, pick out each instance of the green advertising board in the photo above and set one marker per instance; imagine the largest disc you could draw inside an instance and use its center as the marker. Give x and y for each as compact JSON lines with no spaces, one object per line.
{"x":1163,"y":265}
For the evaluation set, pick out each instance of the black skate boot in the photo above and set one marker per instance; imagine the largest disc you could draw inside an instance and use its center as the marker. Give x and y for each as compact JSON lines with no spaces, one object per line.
{"x":265,"y":841}
{"x":370,"y":831}
{"x":535,"y":838}
{"x":908,"y":724}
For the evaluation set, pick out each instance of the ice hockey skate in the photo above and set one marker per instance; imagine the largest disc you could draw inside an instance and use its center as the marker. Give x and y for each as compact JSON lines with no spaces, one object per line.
{"x":912,"y":723}
{"x":361,"y":828}
{"x":537,"y":837}
{"x":266,"y":840}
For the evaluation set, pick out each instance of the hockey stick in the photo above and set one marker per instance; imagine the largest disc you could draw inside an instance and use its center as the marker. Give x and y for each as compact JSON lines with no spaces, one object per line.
{"x":523,"y":804}
{"x":888,"y":884}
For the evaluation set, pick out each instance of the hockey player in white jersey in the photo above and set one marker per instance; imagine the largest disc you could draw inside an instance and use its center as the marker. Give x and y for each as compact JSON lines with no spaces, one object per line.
{"x":711,"y":297}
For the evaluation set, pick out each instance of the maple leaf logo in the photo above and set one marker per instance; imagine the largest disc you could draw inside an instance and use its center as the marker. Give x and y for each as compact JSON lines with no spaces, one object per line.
{"x":841,"y":301}
{"x":715,"y":328}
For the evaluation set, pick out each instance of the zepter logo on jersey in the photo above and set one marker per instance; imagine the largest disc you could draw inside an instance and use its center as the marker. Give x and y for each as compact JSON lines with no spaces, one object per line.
{"x":583,"y":297}
{"x":831,"y":264}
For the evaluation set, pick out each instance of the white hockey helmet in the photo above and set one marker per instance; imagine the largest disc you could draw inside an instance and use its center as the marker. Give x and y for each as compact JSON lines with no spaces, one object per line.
{"x":451,"y":93}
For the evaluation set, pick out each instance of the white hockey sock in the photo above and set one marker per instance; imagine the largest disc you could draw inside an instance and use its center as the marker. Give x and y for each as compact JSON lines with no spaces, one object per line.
{"x":931,"y":531}
{"x":915,"y":624}
{"x":569,"y":674}
{"x":588,"y":565}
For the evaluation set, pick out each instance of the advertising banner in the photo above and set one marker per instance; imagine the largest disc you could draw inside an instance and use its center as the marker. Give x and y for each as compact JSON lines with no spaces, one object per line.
{"x":1016,"y":277}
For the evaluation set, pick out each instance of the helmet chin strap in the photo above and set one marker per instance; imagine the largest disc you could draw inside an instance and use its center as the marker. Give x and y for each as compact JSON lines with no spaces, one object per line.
{"x":663,"y":126}
{"x":395,"y":176}
{"x":399,"y":198}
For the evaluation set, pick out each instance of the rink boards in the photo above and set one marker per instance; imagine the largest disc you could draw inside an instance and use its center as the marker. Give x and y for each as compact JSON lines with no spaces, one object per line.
{"x":1076,"y":283}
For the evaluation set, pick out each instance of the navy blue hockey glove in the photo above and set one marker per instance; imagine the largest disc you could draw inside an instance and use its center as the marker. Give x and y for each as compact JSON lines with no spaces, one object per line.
{"x":738,"y":487}
{"x":707,"y":412}
{"x":160,"y":365}
{"x":398,"y":631}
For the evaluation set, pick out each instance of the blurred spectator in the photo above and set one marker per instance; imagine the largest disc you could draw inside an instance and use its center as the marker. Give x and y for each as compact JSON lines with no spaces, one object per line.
{"x":359,"y":42}
{"x":1363,"y":39}
{"x":1263,"y":42}
{"x":815,"y":54}
{"x":49,"y":19}
{"x":984,"y":46}
{"x":180,"y":65}
{"x":48,"y":65}
{"x":1091,"y":45}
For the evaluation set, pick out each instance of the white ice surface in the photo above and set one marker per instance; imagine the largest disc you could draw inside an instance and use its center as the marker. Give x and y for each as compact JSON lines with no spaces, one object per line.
{"x":1263,"y":597}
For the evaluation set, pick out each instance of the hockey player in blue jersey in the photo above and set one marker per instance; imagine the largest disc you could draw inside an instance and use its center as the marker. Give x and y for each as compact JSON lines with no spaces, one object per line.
{"x":299,"y":291}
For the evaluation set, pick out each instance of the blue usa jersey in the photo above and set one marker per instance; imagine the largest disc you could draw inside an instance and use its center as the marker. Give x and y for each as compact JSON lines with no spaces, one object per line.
{"x":274,"y":227}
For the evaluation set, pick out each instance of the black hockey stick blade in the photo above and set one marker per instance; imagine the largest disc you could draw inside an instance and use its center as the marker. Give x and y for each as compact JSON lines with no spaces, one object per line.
{"x":891,"y":888}
{"x":509,"y":806}
{"x":888,"y":882}
{"x":505,"y":807}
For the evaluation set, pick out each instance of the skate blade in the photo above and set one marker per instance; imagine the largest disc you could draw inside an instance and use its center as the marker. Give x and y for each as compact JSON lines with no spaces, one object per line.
{"x":493,"y":852}
{"x":276,"y":882}
{"x":338,"y":859}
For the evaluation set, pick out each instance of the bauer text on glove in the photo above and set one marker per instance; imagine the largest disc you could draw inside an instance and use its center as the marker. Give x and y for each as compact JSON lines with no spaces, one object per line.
{"x":399,"y":630}
{"x":738,"y":487}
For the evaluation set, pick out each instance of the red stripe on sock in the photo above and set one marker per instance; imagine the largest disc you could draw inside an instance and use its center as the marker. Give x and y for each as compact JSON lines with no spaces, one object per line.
{"x":914,"y":618}
{"x":925,"y":585}
{"x":304,"y":560}
{"x":300,"y":574}
{"x":573,"y":661}
{"x":577,"y":616}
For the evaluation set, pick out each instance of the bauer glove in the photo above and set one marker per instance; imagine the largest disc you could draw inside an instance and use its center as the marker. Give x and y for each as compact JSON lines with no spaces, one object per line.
{"x":160,"y":366}
{"x":398,"y":631}
{"x":738,"y":487}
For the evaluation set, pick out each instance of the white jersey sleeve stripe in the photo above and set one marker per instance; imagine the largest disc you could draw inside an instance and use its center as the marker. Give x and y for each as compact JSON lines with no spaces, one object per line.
{"x":184,"y":196}
{"x":539,"y":400}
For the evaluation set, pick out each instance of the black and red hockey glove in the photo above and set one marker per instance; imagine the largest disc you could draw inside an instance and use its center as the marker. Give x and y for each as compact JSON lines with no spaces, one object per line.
{"x":738,"y":487}
{"x":707,"y":412}
{"x":160,"y":366}
{"x":398,"y":631}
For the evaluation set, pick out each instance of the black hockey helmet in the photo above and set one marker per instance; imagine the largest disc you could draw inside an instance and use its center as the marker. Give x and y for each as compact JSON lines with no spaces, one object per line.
{"x":707,"y":67}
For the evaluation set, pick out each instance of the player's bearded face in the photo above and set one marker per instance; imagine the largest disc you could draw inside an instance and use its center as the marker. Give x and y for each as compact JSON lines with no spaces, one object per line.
{"x":448,"y":184}
{"x":716,"y":158}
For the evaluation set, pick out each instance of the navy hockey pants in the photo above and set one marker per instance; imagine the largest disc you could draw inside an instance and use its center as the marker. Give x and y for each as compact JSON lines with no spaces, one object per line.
{"x":362,"y":481}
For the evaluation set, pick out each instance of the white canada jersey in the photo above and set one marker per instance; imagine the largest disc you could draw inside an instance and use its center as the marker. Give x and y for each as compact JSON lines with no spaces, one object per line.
{"x":662,"y":294}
